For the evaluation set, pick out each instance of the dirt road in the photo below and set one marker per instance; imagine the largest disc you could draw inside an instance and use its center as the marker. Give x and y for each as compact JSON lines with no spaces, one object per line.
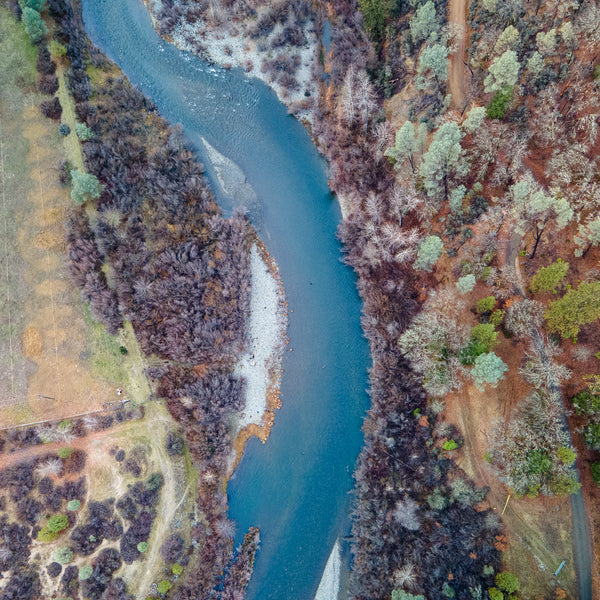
{"x":457,"y":81}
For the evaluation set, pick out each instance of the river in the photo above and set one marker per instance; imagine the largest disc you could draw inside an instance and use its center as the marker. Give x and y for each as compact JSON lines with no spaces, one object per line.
{"x":296,"y":487}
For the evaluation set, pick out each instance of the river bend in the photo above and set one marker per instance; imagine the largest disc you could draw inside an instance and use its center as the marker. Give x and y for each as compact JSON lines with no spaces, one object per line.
{"x":296,"y":487}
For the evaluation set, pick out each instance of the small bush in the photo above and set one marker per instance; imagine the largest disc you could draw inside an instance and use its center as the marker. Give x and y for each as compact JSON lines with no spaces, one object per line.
{"x":73,"y":505}
{"x":486,"y":305}
{"x":450,"y":445}
{"x":177,"y":569}
{"x":155,"y":481}
{"x":547,"y":278}
{"x":45,"y":535}
{"x":54,"y":569}
{"x":497,"y":317}
{"x":85,"y":572}
{"x":58,"y":523}
{"x":142,"y":547}
{"x":64,"y":129}
{"x":591,"y":435}
{"x":485,"y":334}
{"x":508,"y":582}
{"x":586,"y":403}
{"x":566,"y":455}
{"x":65,"y":452}
{"x":495,"y":594}
{"x":596,"y":472}
{"x":164,"y":586}
{"x":63,"y":555}
{"x":84,"y":133}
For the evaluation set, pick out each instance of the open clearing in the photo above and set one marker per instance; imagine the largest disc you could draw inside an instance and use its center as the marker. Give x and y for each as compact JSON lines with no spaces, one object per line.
{"x":49,"y":346}
{"x":538,"y":529}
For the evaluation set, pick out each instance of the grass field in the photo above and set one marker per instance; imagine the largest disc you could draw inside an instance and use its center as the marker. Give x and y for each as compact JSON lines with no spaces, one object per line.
{"x":49,"y":345}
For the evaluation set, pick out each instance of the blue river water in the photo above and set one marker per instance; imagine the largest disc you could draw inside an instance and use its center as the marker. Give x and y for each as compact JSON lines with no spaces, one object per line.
{"x":296,"y":486}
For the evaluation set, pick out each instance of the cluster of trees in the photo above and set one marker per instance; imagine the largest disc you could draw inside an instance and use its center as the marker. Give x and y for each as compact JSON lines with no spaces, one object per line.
{"x":440,"y":347}
{"x":533,"y":452}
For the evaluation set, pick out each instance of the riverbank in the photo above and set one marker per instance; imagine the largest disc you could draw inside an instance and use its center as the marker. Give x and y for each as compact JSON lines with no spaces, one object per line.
{"x":261,"y":365}
{"x":229,"y":43}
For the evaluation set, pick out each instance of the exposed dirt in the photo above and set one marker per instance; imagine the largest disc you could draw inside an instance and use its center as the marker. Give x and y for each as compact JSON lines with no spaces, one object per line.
{"x":457,"y":80}
{"x":538,"y":530}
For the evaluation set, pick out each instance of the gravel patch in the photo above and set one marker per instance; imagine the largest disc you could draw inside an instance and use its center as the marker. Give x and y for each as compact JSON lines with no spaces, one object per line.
{"x":266,"y":332}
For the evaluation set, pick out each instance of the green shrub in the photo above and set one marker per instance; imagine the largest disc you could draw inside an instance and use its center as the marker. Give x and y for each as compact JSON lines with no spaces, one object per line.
{"x":65,"y":452}
{"x":142,"y":547}
{"x":586,"y":403}
{"x":64,"y":129}
{"x":591,"y":435}
{"x":485,"y":334}
{"x":486,"y":305}
{"x":497,"y":317}
{"x":65,"y":425}
{"x":85,"y":572}
{"x":45,"y":535}
{"x":63,"y":555}
{"x":577,"y":307}
{"x":596,"y":472}
{"x":547,"y":278}
{"x":566,"y":455}
{"x":155,"y":481}
{"x":495,"y":594}
{"x":58,"y":523}
{"x":164,"y":586}
{"x":497,"y":107}
{"x":508,"y":582}
{"x":177,"y":569}
{"x":450,"y":445}
{"x":73,"y":505}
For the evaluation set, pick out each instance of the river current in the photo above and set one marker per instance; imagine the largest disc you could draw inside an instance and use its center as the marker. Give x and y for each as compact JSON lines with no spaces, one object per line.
{"x":296,"y":487}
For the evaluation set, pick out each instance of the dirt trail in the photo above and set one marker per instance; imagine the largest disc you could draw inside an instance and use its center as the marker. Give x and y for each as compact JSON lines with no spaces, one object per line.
{"x":457,"y":10}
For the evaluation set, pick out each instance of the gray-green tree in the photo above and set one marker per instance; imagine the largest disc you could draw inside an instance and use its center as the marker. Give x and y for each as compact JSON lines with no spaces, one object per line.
{"x":503,"y":72}
{"x":433,"y":67}
{"x":538,"y":211}
{"x":428,"y":253}
{"x":85,"y":187}
{"x":84,"y":133}
{"x":444,"y":158}
{"x":405,"y":146}
{"x":474,"y":119}
{"x":509,"y":39}
{"x":587,"y":236}
{"x":424,"y":23}
{"x":489,"y":368}
{"x":34,"y":26}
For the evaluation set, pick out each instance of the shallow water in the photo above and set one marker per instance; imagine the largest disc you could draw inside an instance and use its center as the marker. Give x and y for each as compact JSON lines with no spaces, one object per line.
{"x":295,"y":488}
